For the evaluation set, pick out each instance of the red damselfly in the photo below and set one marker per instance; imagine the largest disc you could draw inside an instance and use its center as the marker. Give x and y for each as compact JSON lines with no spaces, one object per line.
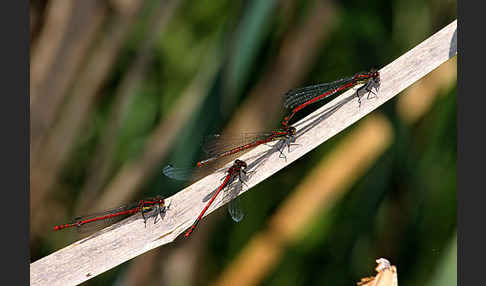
{"x":184,"y":174}
{"x":150,"y":207}
{"x":233,"y":172}
{"x":298,"y":99}
{"x":218,"y":146}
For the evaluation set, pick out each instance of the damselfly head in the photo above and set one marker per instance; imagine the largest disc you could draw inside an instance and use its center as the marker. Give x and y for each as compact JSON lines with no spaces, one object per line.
{"x":375,"y":75}
{"x":160,"y":200}
{"x":240,"y":163}
{"x":291,"y":130}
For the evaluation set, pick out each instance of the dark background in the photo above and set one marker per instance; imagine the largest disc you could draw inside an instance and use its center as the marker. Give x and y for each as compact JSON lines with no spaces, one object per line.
{"x":120,"y":88}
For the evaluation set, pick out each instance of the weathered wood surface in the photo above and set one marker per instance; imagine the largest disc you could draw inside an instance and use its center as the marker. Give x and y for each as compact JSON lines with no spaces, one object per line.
{"x":112,"y":246}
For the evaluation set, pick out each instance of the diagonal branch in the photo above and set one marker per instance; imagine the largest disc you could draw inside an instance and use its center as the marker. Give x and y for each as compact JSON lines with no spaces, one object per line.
{"x":106,"y":249}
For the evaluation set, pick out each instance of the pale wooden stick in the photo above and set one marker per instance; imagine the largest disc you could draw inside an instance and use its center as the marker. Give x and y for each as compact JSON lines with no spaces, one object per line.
{"x":104,"y":250}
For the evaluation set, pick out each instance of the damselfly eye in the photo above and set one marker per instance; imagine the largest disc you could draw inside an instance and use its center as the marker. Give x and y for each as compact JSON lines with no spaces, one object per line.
{"x":376,"y":75}
{"x":240,"y":163}
{"x":292,"y":130}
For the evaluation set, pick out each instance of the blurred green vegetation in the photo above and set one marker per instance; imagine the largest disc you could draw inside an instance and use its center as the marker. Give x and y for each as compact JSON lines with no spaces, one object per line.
{"x":403,"y":209}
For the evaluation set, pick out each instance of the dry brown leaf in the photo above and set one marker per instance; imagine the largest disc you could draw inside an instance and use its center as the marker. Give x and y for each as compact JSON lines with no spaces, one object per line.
{"x":387,"y":275}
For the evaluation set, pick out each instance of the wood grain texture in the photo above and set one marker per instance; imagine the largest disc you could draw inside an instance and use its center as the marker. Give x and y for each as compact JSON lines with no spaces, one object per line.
{"x":114,"y":245}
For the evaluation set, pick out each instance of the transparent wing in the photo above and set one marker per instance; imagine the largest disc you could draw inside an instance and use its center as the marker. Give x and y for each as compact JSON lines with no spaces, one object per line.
{"x":235,"y":210}
{"x":217,"y":143}
{"x":298,"y":96}
{"x":181,"y":174}
{"x":94,"y":226}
